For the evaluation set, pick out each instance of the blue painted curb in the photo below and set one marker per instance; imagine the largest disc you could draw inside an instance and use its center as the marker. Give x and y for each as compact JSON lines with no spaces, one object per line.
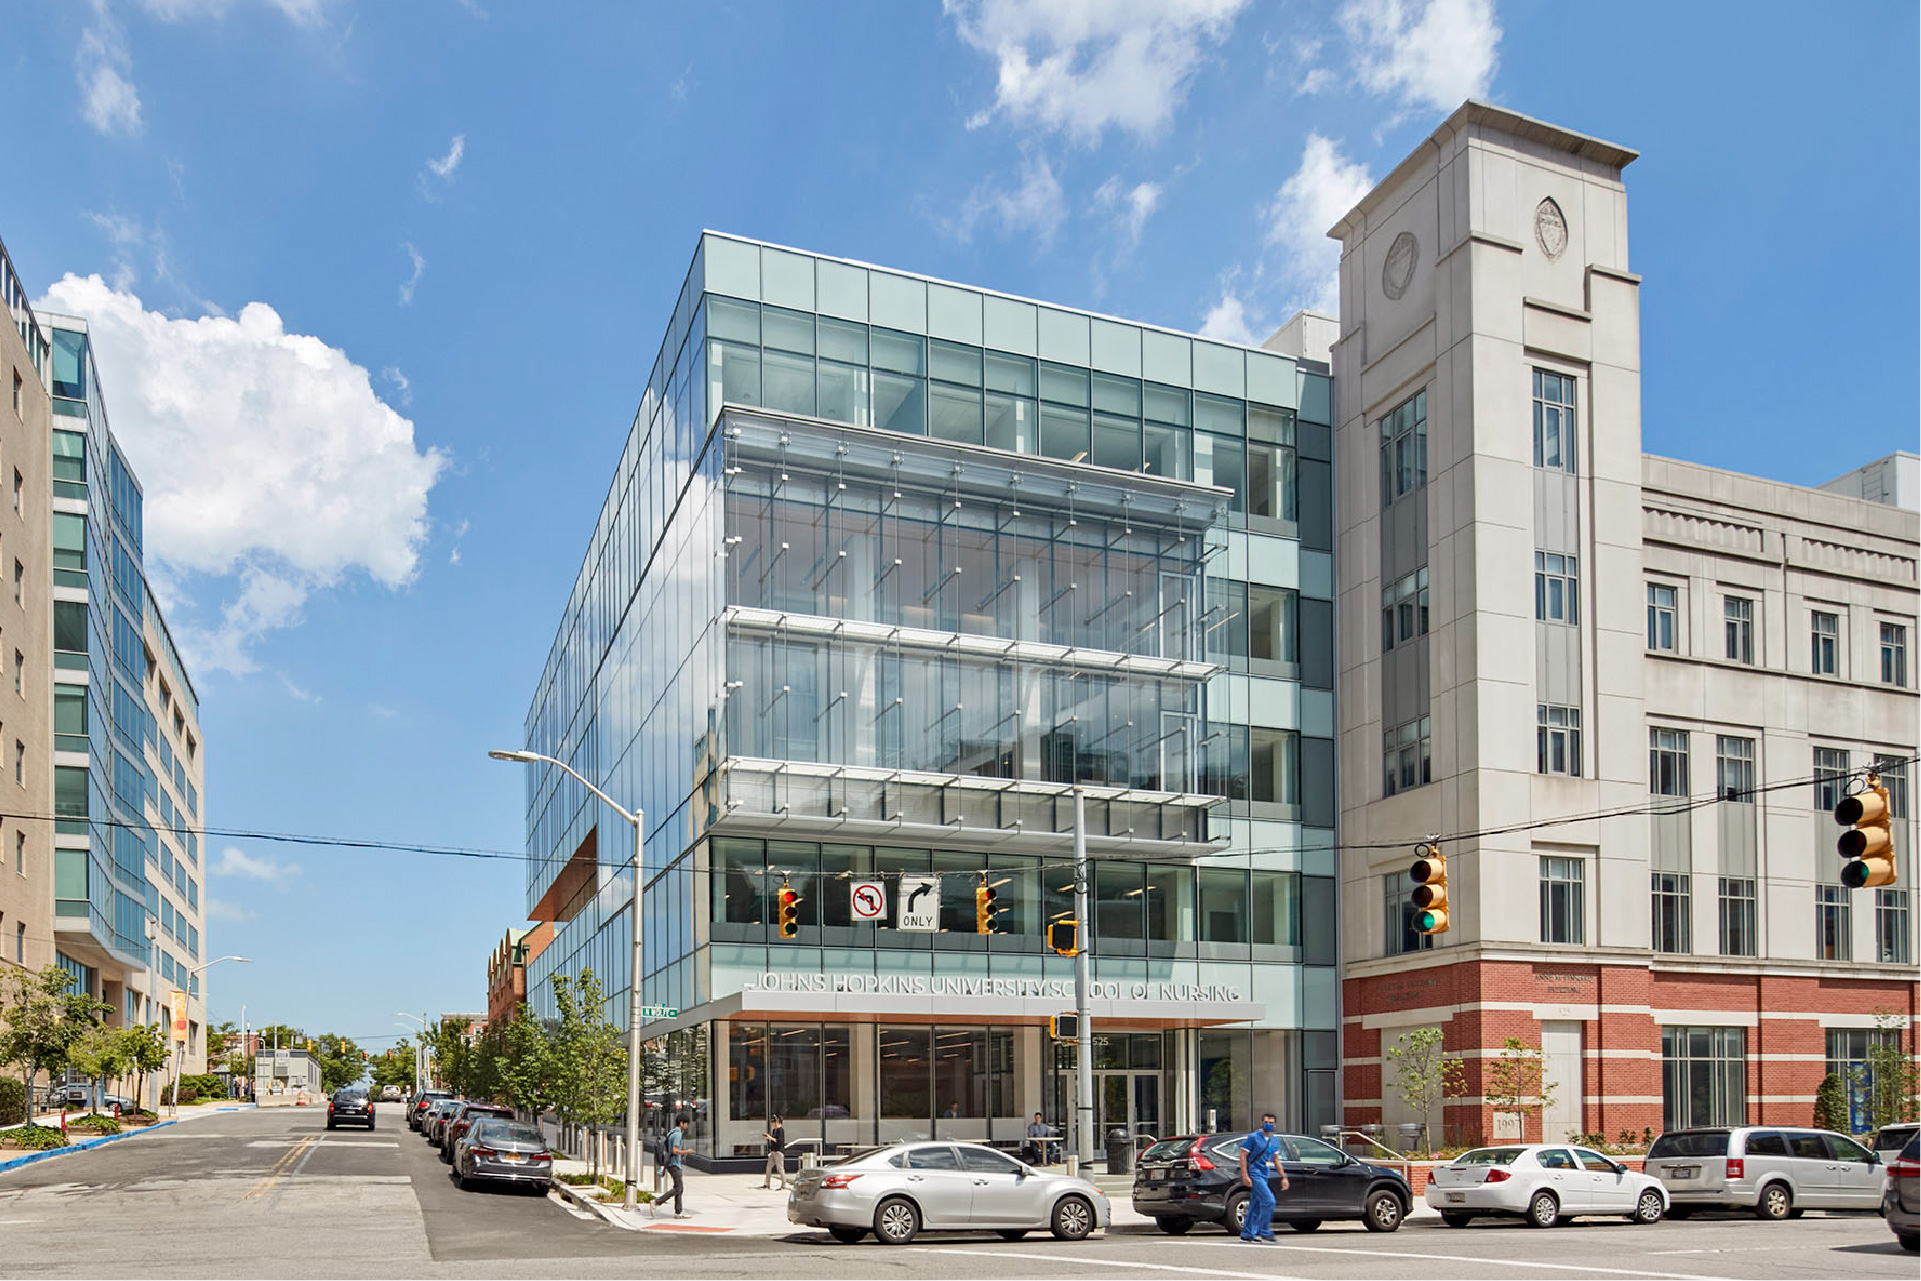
{"x":31,"y":1157}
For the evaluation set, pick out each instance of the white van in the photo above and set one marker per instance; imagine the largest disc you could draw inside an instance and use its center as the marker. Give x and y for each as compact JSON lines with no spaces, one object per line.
{"x":1775,"y":1171}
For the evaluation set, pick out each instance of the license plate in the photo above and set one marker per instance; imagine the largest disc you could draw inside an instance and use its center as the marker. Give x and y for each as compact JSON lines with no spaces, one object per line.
{"x":1155,"y":1176}
{"x":1457,"y":1198}
{"x":1684,"y":1171}
{"x":512,"y":1158}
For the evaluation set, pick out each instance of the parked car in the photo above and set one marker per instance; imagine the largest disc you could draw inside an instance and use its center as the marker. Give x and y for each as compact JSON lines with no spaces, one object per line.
{"x":463,"y":1120}
{"x":1775,"y":1171}
{"x":422,"y":1102}
{"x":495,"y":1149}
{"x":351,"y":1106}
{"x":1901,"y":1204}
{"x":435,"y":1125}
{"x":392,"y":1094}
{"x":1544,"y":1184}
{"x":79,"y":1097}
{"x":1196,"y":1178}
{"x":1890,"y":1140}
{"x":898,"y":1192}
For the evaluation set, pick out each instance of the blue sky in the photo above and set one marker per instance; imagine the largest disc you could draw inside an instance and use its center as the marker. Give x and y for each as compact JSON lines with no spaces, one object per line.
{"x":379,"y":285}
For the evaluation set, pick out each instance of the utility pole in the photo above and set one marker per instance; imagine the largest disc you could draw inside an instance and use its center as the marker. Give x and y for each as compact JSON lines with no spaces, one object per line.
{"x":1084,"y":1043}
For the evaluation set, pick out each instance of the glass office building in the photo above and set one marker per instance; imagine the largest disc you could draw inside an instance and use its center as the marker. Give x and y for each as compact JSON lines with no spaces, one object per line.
{"x":889,"y":571}
{"x":128,"y":768}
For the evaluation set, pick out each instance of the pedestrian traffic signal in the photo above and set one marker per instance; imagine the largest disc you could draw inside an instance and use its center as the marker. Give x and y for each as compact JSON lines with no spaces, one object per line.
{"x":1064,"y":937}
{"x":789,"y":911}
{"x":983,"y":907}
{"x":1868,"y":843}
{"x":1064,"y":1027}
{"x":1429,"y":875}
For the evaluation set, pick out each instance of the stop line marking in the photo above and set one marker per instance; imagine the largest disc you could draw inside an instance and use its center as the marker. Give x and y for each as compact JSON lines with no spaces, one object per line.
{"x":1469,"y":1258}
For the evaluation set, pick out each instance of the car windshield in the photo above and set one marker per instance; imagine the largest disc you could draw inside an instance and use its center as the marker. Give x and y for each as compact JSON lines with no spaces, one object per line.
{"x":1168,"y":1150}
{"x":507,"y":1132}
{"x":1912,"y":1152}
{"x":1488,"y":1156}
{"x":1893,"y":1136}
{"x":1690,"y":1143}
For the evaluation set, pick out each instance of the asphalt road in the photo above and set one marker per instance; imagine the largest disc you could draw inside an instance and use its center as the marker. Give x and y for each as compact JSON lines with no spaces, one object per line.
{"x":273,"y":1194}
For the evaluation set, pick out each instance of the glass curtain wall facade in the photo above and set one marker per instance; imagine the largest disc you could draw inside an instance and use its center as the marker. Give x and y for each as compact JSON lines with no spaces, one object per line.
{"x":888,"y":568}
{"x":127,"y":768}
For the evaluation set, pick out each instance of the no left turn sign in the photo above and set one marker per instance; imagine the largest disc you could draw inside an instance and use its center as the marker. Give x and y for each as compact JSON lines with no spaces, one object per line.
{"x":868,"y":900}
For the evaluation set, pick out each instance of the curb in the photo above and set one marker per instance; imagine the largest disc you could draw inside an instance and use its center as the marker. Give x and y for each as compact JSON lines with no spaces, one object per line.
{"x":82,"y":1146}
{"x":600,"y":1208}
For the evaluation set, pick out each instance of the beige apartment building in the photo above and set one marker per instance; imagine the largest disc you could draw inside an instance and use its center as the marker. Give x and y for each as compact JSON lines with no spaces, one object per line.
{"x":1626,"y":690}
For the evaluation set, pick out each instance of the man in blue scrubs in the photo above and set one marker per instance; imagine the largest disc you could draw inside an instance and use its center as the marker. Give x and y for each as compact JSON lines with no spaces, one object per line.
{"x":1261,"y":1156}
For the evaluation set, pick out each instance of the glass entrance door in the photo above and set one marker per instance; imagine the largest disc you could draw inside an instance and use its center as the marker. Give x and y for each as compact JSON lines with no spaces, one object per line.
{"x":1128,"y":1101}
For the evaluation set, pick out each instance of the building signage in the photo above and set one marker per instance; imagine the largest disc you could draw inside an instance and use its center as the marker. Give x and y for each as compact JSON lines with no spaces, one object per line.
{"x":919,"y":904}
{"x":957,"y":985}
{"x":868,"y":900}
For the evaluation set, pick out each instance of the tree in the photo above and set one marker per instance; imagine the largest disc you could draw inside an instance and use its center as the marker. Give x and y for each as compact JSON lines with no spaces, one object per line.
{"x":98,"y":1053}
{"x":1424,"y":1074}
{"x":453,"y":1057}
{"x":1831,"y":1104}
{"x":45,"y":1016}
{"x":280,"y":1036}
{"x":1890,"y":1073}
{"x":527,"y":1064}
{"x":590,"y":1063}
{"x":395,"y":1067}
{"x":341,"y":1063}
{"x":1515,"y":1083}
{"x":146,"y":1052}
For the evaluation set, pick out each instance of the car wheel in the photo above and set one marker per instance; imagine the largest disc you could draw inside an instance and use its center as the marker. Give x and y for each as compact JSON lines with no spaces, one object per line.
{"x":1013,"y":1234}
{"x":1073,"y":1219}
{"x":1304,"y":1225}
{"x":1543,"y":1211}
{"x":1648,"y":1208}
{"x":1796,"y":1212}
{"x":1775,"y":1203}
{"x":847,"y":1236}
{"x":1457,"y":1220}
{"x":1174,"y":1227}
{"x":896,"y":1221}
{"x":1383,"y":1212}
{"x":1680,"y":1212}
{"x":1910,"y":1242}
{"x":1236,"y":1213}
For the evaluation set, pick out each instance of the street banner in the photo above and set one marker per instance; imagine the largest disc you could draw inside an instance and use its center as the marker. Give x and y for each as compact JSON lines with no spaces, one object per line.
{"x":179,"y":1002}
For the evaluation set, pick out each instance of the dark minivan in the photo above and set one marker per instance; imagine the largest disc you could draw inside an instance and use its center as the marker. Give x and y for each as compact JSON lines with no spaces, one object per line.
{"x":1197,"y":1179}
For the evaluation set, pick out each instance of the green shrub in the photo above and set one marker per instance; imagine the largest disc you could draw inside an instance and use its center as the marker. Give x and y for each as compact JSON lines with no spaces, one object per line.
{"x":206,"y":1085}
{"x":1831,"y":1105}
{"x":94,"y":1123}
{"x":36,"y":1138}
{"x":13,"y":1101}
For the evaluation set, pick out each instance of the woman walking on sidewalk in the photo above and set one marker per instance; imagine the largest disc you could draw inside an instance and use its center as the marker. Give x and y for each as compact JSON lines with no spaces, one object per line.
{"x":776,"y":1154}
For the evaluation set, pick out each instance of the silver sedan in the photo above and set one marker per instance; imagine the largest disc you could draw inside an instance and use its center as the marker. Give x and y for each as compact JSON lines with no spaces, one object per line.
{"x":898,"y":1192}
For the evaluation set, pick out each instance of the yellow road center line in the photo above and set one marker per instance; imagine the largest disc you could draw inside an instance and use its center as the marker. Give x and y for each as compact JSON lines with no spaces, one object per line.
{"x":280,"y":1167}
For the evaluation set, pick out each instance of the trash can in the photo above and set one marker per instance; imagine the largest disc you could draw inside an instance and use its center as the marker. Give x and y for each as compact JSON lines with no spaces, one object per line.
{"x":1410,"y":1132}
{"x":1120,"y":1152}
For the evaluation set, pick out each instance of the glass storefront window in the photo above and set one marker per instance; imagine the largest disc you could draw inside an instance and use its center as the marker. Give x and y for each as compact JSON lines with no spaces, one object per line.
{"x":1119,"y":917}
{"x":1223,"y":905}
{"x":960,"y":1083}
{"x":906,"y":1082}
{"x":1170,"y":903}
{"x":739,"y":876}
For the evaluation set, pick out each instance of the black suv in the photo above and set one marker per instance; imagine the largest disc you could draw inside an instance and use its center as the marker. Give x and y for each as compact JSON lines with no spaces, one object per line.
{"x":1196,"y":1178}
{"x":422,"y":1103}
{"x":351,"y":1106}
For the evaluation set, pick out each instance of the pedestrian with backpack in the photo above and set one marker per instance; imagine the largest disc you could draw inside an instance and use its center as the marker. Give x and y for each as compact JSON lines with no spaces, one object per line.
{"x":671,"y":1152}
{"x":1260,"y":1156}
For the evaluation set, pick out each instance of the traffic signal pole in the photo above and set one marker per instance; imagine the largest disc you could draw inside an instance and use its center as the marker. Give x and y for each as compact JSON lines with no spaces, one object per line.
{"x":1084,"y":1042}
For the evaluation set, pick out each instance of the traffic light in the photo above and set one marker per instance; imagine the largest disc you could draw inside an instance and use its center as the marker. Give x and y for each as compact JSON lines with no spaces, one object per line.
{"x":1064,"y":937}
{"x":983,"y":907}
{"x":1429,"y":875}
{"x":1868,"y":843}
{"x":789,"y":911}
{"x":1064,"y":1027}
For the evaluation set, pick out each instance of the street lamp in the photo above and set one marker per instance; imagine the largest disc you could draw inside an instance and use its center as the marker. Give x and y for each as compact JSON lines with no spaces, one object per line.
{"x":631,"y":1200}
{"x":420,"y":1049}
{"x":180,"y":1048}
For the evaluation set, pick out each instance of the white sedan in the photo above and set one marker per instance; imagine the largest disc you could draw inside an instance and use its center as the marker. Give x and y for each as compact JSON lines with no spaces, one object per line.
{"x":1544,"y":1184}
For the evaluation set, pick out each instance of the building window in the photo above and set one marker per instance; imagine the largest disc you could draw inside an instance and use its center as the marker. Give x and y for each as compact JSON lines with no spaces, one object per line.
{"x":18,"y":410}
{"x":19,"y":673}
{"x":1404,"y":609}
{"x":1703,"y":1076}
{"x":1733,"y":768}
{"x":1830,"y":777}
{"x":1825,"y":640}
{"x":1737,"y":613}
{"x":20,"y":853}
{"x":1553,"y":420}
{"x":1833,"y":924}
{"x":1891,"y":927}
{"x":1737,"y":916}
{"x":1397,"y":905}
{"x":1557,"y":583}
{"x":1404,"y":448}
{"x":19,"y":762}
{"x":1405,"y":752}
{"x":1671,"y":933}
{"x":1662,"y":608}
{"x":1894,"y":654}
{"x":20,"y":943}
{"x":1562,"y":882}
{"x":1668,"y":762}
{"x":1557,"y":739}
{"x":1893,"y":772}
{"x":19,"y":582}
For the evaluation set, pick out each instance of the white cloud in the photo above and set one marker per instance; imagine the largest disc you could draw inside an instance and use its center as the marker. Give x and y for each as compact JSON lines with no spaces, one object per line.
{"x":1428,"y":56}
{"x":1035,"y":204}
{"x":219,"y":909}
{"x":403,"y":386}
{"x":1227,"y":320}
{"x":1310,"y":77}
{"x":1313,"y":199}
{"x":307,"y":13}
{"x":108,"y":100}
{"x":412,"y":282}
{"x":440,"y":173}
{"x":265,"y":867}
{"x":1080,"y":67}
{"x":265,"y":456}
{"x":1130,"y":206}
